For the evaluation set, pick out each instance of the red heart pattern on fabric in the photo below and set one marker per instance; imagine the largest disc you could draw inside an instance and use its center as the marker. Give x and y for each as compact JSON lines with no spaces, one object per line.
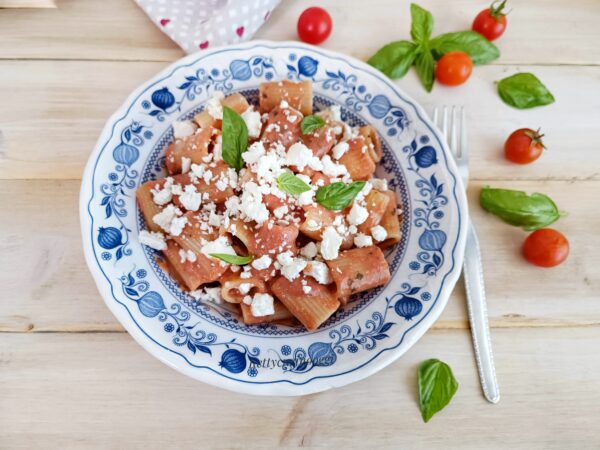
{"x":239,"y":31}
{"x":203,"y":45}
{"x":164,"y":22}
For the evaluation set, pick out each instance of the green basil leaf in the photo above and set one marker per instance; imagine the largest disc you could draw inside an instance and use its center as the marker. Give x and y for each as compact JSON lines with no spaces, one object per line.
{"x":290,"y":183}
{"x":437,"y":386}
{"x":425,"y":65}
{"x":233,"y":259}
{"x":479,"y":49}
{"x":311,"y":124}
{"x":338,"y":195}
{"x":422,"y":23}
{"x":394,"y":59}
{"x":235,"y":138}
{"x":517,"y":208}
{"x":524,"y":90}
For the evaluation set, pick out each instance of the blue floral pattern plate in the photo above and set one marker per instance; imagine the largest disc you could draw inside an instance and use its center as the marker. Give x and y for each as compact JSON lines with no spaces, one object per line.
{"x":208,"y":341}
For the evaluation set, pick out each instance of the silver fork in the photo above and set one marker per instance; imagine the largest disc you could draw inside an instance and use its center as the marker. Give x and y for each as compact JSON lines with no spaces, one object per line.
{"x":452,"y":123}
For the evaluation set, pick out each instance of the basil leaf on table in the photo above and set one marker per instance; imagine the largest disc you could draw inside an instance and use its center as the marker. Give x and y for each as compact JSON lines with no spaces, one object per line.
{"x":290,"y":183}
{"x":310,"y":124}
{"x":425,"y":65}
{"x":437,"y":386}
{"x":422,"y":23}
{"x":235,"y":138}
{"x":479,"y":49}
{"x":394,"y":59}
{"x":524,"y":90}
{"x":338,"y":195}
{"x":530,"y":212}
{"x":233,"y":259}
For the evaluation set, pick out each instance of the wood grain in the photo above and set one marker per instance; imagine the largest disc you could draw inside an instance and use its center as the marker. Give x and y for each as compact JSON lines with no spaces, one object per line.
{"x":50,"y":288}
{"x":103,"y":391}
{"x":119,"y":30}
{"x":49,"y":126}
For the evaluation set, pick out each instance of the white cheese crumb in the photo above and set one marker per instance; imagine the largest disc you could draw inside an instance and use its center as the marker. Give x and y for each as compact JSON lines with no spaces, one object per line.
{"x":319,"y":271}
{"x":177,"y":225}
{"x":183,"y":129}
{"x":379,"y":233}
{"x":212,"y":294}
{"x":262,"y":305}
{"x":281,"y":211}
{"x":164,"y":195}
{"x":284,"y":104}
{"x":251,"y":203}
{"x":191,"y":199}
{"x":290,"y":267}
{"x":244,"y":288}
{"x":362,"y":240}
{"x":164,"y":218}
{"x":262,"y":263}
{"x":213,"y":105}
{"x":218,"y":149}
{"x":306,"y":198}
{"x":152,"y":239}
{"x":309,"y":250}
{"x":185,"y":164}
{"x":247,"y":300}
{"x":339,"y":150}
{"x":330,"y":245}
{"x":306,"y":289}
{"x":245,"y":275}
{"x":298,"y":155}
{"x":358,"y":214}
{"x":253,"y":123}
{"x":380,"y":184}
{"x":332,"y":169}
{"x":312,"y":225}
{"x":219,"y":245}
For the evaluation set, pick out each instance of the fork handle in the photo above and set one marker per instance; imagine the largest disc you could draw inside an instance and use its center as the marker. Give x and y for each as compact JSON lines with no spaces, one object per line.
{"x":480,"y":330}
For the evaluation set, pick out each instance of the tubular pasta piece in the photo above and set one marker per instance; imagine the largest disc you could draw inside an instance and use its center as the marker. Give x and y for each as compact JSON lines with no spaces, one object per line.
{"x":146,"y":203}
{"x":280,"y":129}
{"x":358,"y":270}
{"x":235,"y":101}
{"x":194,"y":147}
{"x":376,"y":203}
{"x":358,"y":160}
{"x":230,"y":287}
{"x":298,"y":95}
{"x":274,"y":240}
{"x":281,"y":315}
{"x":313,"y":308}
{"x":321,"y":141}
{"x":372,"y":140}
{"x":391,"y":222}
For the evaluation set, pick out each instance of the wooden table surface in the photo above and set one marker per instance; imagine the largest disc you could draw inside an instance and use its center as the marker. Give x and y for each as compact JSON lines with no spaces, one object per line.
{"x":70,"y":377}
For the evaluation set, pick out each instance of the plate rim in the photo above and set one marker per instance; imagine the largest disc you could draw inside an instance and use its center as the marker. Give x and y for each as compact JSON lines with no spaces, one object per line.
{"x":317,"y":383}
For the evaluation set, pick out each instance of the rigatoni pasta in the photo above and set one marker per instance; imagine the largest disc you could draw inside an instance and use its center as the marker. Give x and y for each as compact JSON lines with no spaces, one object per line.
{"x":291,"y":226}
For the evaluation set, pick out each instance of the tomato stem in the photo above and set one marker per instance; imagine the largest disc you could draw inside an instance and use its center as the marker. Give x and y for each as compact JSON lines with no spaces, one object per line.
{"x":497,"y":10}
{"x":536,"y":138}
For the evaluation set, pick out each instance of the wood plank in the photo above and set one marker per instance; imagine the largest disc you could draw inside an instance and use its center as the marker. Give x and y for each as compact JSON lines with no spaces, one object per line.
{"x":114,"y":29}
{"x":27,"y":4}
{"x":48,"y":287}
{"x":53,"y":112}
{"x":75,"y":391}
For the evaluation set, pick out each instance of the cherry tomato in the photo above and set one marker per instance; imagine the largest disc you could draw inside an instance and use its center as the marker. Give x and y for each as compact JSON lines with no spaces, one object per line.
{"x":453,"y":68}
{"x":546,"y":248}
{"x":491,"y":22}
{"x":314,"y":25}
{"x":524,"y":146}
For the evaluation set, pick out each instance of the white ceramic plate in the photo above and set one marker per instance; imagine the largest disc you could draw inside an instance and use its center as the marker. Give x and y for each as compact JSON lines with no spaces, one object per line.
{"x":209,"y":342}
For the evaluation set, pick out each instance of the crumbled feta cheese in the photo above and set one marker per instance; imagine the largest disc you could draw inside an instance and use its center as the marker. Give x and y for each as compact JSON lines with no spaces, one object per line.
{"x":312,"y":225}
{"x":185,"y":164}
{"x":221,"y":184}
{"x":379,"y":233}
{"x":254,"y":152}
{"x":176,"y":189}
{"x":163,"y":196}
{"x":219,"y":245}
{"x":207,"y":177}
{"x":306,"y":289}
{"x":183,"y":129}
{"x":362,"y":240}
{"x":251,"y":203}
{"x":245,"y":275}
{"x":290,"y":266}
{"x":253,"y":123}
{"x":298,"y":155}
{"x":268,"y":167}
{"x":212,"y":294}
{"x":214,"y":219}
{"x":332,"y":113}
{"x":152,"y":239}
{"x":330,"y":245}
{"x":358,"y":214}
{"x":309,"y":250}
{"x":177,"y":225}
{"x":332,"y":169}
{"x":262,"y":263}
{"x":284,"y":104}
{"x":306,"y":198}
{"x":247,"y":300}
{"x":339,"y":150}
{"x":244,"y":288}
{"x":232,"y":205}
{"x":380,"y":184}
{"x":319,"y":271}
{"x":164,"y":218}
{"x":364,"y":191}
{"x":213,"y":105}
{"x":262,"y":305}
{"x":187,"y":256}
{"x":281,"y":211}
{"x":191,"y":198}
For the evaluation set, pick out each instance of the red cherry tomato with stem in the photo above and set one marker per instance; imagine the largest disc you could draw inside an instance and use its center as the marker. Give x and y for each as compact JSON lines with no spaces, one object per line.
{"x":314,"y":25}
{"x":546,"y":248}
{"x":524,"y":146}
{"x":491,"y":22}
{"x":453,"y":68}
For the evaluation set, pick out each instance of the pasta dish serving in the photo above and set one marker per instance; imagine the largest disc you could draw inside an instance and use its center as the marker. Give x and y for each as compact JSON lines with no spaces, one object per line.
{"x":272,"y":207}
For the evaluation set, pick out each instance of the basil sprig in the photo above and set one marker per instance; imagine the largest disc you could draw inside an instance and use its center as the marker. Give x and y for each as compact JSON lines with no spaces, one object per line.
{"x":395,"y":58}
{"x":233,"y":259}
{"x":437,"y":386}
{"x":530,"y":212}
{"x":338,"y":195}
{"x":290,"y":183}
{"x":235,"y":138}
{"x":524,"y":90}
{"x":310,"y":124}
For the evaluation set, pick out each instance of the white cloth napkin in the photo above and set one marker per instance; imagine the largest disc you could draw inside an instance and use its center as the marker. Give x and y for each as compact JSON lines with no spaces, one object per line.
{"x":198,"y":24}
